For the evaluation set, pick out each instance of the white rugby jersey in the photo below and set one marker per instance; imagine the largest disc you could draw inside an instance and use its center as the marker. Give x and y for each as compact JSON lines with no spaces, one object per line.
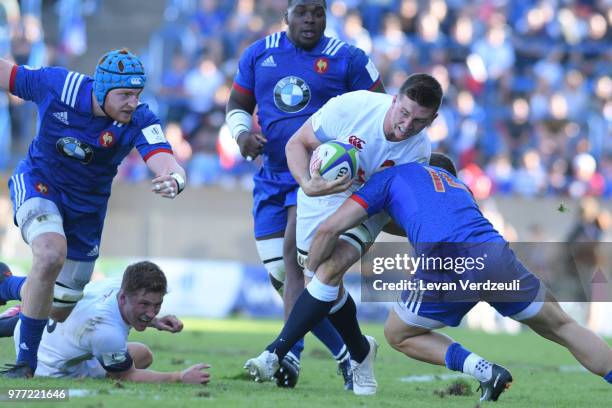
{"x":91,"y":341}
{"x":357,"y":118}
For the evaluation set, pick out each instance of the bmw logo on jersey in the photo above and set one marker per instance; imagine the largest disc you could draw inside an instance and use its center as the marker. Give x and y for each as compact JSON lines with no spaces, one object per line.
{"x":291,"y":94}
{"x":74,"y":149}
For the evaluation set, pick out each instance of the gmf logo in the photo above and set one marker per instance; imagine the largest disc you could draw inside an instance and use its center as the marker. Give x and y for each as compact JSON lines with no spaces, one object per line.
{"x":42,"y":188}
{"x":357,"y":142}
{"x":107,"y":139}
{"x":321,"y":65}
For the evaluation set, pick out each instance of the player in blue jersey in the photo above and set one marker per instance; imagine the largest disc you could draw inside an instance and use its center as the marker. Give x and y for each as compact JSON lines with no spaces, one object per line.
{"x":289,"y":76}
{"x":60,"y":190}
{"x":434,"y":209}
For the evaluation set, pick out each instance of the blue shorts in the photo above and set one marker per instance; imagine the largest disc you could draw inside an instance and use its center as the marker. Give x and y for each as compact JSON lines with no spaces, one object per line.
{"x":273,"y":193}
{"x":435,"y":308}
{"x":83,"y":230}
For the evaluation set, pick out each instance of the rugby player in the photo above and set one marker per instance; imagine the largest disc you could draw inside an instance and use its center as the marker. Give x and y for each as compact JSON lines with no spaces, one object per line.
{"x":60,"y":190}
{"x":92,"y":341}
{"x":441,"y":218}
{"x":289,"y":76}
{"x":387,"y":130}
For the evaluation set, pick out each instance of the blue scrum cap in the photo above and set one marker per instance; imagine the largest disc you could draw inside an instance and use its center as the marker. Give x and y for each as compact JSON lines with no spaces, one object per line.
{"x":117,"y":69}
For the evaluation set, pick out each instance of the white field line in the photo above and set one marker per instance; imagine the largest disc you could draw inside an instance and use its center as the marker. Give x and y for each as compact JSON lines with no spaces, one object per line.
{"x":453,"y":376}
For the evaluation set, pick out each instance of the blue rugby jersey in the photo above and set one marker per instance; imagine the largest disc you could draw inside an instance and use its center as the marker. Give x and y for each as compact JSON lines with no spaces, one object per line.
{"x":429,"y":203}
{"x":75,"y":151}
{"x":290,"y":84}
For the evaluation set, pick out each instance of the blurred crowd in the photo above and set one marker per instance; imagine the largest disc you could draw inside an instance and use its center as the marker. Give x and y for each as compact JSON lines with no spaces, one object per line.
{"x":527,"y":108}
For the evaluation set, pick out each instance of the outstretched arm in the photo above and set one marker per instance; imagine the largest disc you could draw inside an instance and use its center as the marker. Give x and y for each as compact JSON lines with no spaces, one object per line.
{"x":191,"y":375}
{"x":170,"y":177}
{"x":347,"y":216}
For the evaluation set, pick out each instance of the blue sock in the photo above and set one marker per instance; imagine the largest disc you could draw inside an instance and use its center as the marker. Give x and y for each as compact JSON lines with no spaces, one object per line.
{"x":306,"y":313}
{"x":10,"y":288}
{"x":608,"y":377}
{"x":455,"y":357}
{"x":7,"y":326}
{"x":30,"y":333}
{"x":329,"y":336}
{"x":297,"y":348}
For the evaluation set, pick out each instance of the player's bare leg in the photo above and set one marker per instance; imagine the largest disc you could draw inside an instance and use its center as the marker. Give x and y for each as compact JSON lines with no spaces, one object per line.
{"x":590,"y":350}
{"x":294,"y":277}
{"x":49,"y":252}
{"x":416,"y":342}
{"x":432,"y":347}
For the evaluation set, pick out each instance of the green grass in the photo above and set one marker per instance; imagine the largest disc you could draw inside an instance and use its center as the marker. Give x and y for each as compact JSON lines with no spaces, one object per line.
{"x":226,"y":344}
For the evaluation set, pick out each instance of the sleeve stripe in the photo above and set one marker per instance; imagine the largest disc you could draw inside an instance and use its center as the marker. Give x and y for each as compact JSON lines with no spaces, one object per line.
{"x":360,"y":201}
{"x":66,"y":83}
{"x":242,"y":89}
{"x":76,"y":91}
{"x":375,"y":84}
{"x":154,"y":152}
{"x":12,"y":79}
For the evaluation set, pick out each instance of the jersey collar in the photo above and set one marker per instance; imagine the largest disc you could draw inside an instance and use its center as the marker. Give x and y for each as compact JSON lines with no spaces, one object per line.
{"x":318,"y":48}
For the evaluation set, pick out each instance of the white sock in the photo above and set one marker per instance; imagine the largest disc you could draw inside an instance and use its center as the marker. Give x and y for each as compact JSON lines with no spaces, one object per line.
{"x":478,"y":367}
{"x":322,"y":291}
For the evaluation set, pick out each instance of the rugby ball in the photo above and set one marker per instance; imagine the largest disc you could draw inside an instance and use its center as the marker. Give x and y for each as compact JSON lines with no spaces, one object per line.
{"x":336,"y":159}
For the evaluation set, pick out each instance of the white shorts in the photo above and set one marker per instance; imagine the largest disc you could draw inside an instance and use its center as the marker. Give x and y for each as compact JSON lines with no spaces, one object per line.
{"x":312,"y":211}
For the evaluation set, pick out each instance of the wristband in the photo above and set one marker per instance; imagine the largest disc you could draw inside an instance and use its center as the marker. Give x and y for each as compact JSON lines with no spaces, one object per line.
{"x":238,"y":121}
{"x":180,"y":182}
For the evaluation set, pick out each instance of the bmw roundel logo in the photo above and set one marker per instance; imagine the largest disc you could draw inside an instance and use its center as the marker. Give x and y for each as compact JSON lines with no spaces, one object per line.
{"x":74,"y":149}
{"x":291,"y":94}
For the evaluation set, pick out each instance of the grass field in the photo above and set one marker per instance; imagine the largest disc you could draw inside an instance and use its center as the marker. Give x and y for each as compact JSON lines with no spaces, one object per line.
{"x":545,"y":374}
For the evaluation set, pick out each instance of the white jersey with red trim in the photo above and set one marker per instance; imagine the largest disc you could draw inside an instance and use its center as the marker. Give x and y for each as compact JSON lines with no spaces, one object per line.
{"x":92,"y":341}
{"x":356,"y":118}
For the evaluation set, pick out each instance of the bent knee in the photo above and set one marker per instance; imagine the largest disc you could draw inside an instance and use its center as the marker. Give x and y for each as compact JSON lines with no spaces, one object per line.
{"x":49,"y":251}
{"x":394,"y":337}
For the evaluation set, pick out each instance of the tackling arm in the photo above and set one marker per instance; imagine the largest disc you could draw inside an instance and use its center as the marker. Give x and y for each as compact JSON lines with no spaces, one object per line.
{"x":347,"y":216}
{"x":170,"y":177}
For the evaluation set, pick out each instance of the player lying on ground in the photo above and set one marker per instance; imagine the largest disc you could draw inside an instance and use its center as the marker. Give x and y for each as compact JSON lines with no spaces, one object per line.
{"x":386,"y":130}
{"x":60,"y":190}
{"x":289,"y":75}
{"x":432,"y":206}
{"x":92,"y":342}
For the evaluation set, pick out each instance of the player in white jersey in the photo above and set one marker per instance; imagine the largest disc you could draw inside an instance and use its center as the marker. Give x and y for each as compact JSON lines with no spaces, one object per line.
{"x":387,"y":130}
{"x":93,"y":341}
{"x":362,"y":115}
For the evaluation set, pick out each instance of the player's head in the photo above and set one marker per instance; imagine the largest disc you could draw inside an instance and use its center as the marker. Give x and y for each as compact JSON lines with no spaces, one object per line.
{"x":142,"y":292}
{"x":118,"y":82}
{"x":444,"y":162}
{"x":306,"y":20}
{"x":414,"y":107}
